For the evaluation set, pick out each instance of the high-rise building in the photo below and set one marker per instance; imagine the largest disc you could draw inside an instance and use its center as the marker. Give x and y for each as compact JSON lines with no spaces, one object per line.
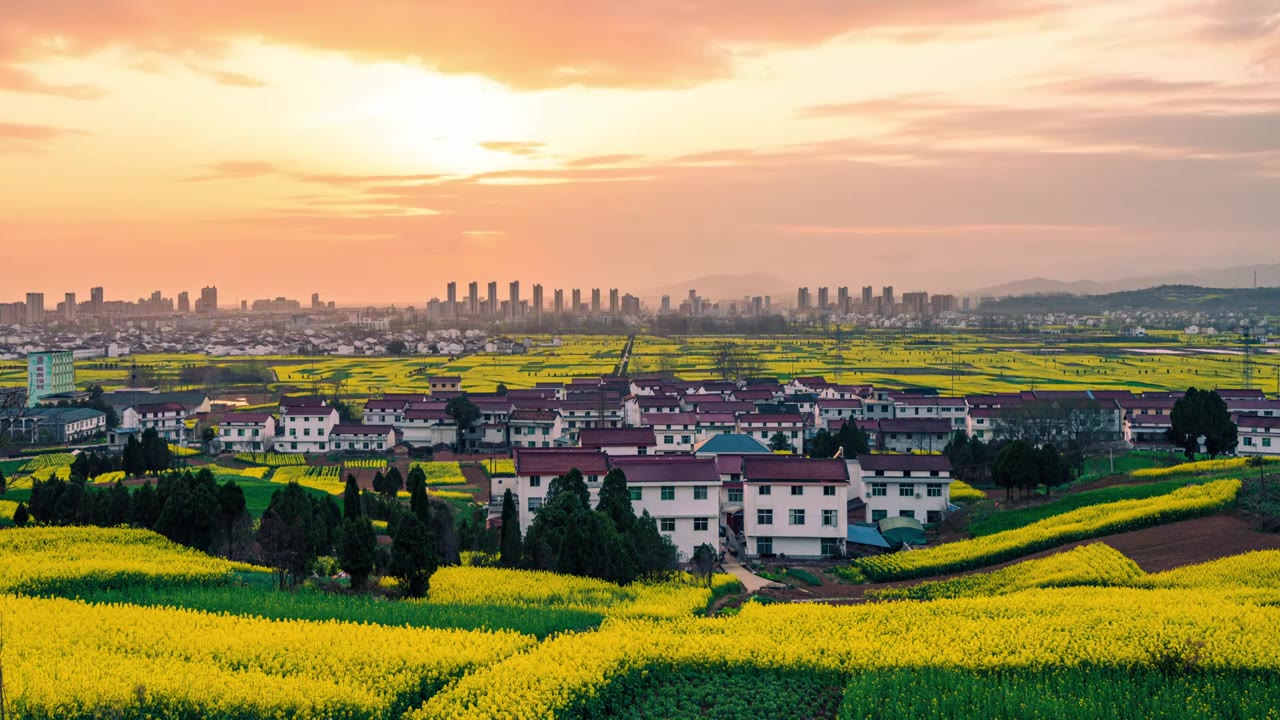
{"x":491,"y":301}
{"x":35,"y":308}
{"x":595,"y":301}
{"x":630,"y":305}
{"x":868,"y":295}
{"x":451,"y":293}
{"x":537,"y":299}
{"x":666,"y":305}
{"x":757,"y":305}
{"x":887,"y":294}
{"x":69,"y":307}
{"x":208,"y":301}
{"x":916,"y":303}
{"x":95,"y":300}
{"x":842,"y":299}
{"x":823,"y":296}
{"x":49,"y":373}
{"x":802,"y":298}
{"x":614,"y":308}
{"x":514,"y":298}
{"x":473,"y":298}
{"x":316,"y":302}
{"x":558,"y":302}
{"x":184,"y":302}
{"x":577,"y":301}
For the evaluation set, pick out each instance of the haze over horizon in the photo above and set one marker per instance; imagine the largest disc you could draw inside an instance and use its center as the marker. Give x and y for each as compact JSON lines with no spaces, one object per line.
{"x":295,"y":147}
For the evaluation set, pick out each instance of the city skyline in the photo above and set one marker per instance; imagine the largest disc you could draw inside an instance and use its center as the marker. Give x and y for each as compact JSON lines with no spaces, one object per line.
{"x":200,"y":146}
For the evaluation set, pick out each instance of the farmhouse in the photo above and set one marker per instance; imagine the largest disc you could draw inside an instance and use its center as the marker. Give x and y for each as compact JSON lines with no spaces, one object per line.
{"x":680,"y":492}
{"x":535,"y":469}
{"x":1258,"y":435}
{"x":535,"y":428}
{"x":56,"y":425}
{"x":675,"y":432}
{"x":914,"y":486}
{"x":445,"y":383}
{"x":914,"y":434}
{"x":168,"y":419}
{"x":247,"y":432}
{"x":793,"y":507}
{"x":765,"y":426}
{"x":306,"y":429}
{"x":619,"y":441}
{"x":355,"y":438}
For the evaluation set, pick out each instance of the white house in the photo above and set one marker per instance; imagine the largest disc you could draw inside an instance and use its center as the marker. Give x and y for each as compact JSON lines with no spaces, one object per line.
{"x":1258,"y":435}
{"x":914,"y":486}
{"x":248,"y":432}
{"x":794,"y":507}
{"x":619,"y":441}
{"x":536,"y":468}
{"x":384,"y":412}
{"x":914,"y":434}
{"x":428,"y":427}
{"x":674,"y":432}
{"x":362,"y":438}
{"x":169,"y":420}
{"x":535,"y":428}
{"x":765,"y":426}
{"x":306,"y":429}
{"x":843,"y":409}
{"x":681,"y":493}
{"x":445,"y":383}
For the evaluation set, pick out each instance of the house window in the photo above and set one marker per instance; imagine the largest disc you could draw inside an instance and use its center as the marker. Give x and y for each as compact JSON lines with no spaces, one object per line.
{"x":933,"y":490}
{"x":934,"y":473}
{"x":637,"y":494}
{"x":830,"y":547}
{"x":735,"y":495}
{"x":764,"y":517}
{"x":643,"y":451}
{"x":667,"y":525}
{"x":907,"y":514}
{"x":797,"y":516}
{"x":906,"y":490}
{"x":879,"y":473}
{"x":700,"y":492}
{"x":764,"y":546}
{"x":1266,"y":442}
{"x":684,"y":438}
{"x":828,"y":490}
{"x":797,"y":489}
{"x":668,"y":492}
{"x":828,"y":518}
{"x":535,"y":481}
{"x":933,"y":516}
{"x":879,"y":489}
{"x":293,"y":446}
{"x":534,"y":504}
{"x":700,"y":524}
{"x":878,"y":515}
{"x":669,"y":439}
{"x":766,"y":489}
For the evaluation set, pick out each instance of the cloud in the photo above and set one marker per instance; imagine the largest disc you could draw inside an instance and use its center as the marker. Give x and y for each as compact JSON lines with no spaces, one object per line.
{"x":233,"y":79}
{"x":24,"y":137}
{"x":235,"y":170}
{"x":513,"y":147}
{"x":16,"y":79}
{"x":523,"y":43}
{"x":1126,"y":85}
{"x":595,"y":160}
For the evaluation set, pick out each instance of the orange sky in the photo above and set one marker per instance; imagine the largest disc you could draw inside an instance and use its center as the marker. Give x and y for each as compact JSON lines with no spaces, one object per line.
{"x":371,"y":151}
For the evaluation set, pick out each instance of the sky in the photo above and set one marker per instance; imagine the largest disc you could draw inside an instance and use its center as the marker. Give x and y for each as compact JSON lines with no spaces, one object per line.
{"x":372,"y":151}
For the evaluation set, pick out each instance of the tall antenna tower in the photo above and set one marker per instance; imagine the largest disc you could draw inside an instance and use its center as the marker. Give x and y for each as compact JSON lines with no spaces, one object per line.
{"x":1246,"y":361}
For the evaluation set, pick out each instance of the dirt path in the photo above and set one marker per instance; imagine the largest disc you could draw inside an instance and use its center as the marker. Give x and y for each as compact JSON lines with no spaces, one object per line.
{"x":476,"y":477}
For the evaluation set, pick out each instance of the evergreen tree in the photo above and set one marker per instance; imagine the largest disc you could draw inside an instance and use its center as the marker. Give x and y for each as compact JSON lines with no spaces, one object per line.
{"x":117,"y":506}
{"x":357,"y":549}
{"x":572,"y":483}
{"x":510,"y":546}
{"x":144,"y":507}
{"x":1201,"y":416}
{"x":420,"y":504}
{"x":853,"y":439}
{"x":1017,"y":466}
{"x":20,"y":515}
{"x":656,"y":556}
{"x":413,"y":556}
{"x":394,"y":481}
{"x":134,"y":462}
{"x":351,"y":505}
{"x":823,"y":444}
{"x":704,"y":563}
{"x":615,"y":500}
{"x":417,"y":476}
{"x":155,"y":451}
{"x":1053,"y":469}
{"x":287,"y":533}
{"x":780,"y":443}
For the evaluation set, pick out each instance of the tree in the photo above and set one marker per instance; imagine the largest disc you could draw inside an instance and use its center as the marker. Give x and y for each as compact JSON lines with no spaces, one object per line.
{"x":501,"y":390}
{"x":397,"y":347}
{"x":420,"y":504}
{"x":357,"y":549}
{"x":656,"y":556}
{"x":571,"y":483}
{"x":3,"y":485}
{"x":1201,"y":417}
{"x":509,"y":547}
{"x":1017,"y":465}
{"x":135,"y":462}
{"x":351,"y":506}
{"x":704,"y":563}
{"x":853,"y":440}
{"x":1054,"y":471}
{"x":417,"y":476}
{"x":823,"y":444}
{"x":615,"y":500}
{"x":287,"y":533}
{"x":144,"y":506}
{"x":780,"y":443}
{"x":155,"y":451}
{"x":464,"y":414}
{"x":413,"y":556}
{"x":20,"y":515}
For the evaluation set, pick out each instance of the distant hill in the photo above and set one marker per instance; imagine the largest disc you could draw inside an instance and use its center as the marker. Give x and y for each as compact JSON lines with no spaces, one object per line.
{"x":1265,"y":300}
{"x":727,"y":287}
{"x":1234,"y":277}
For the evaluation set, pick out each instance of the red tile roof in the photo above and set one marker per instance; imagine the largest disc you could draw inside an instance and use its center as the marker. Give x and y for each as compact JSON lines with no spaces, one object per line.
{"x":310,"y":411}
{"x":385,"y":404}
{"x":770,"y":419}
{"x":614,"y":437}
{"x":533,"y":416}
{"x":301,"y":401}
{"x":782,"y":468}
{"x":357,"y":429}
{"x":900,"y":461}
{"x":679,"y":418}
{"x":246,"y":418}
{"x":666,"y":468}
{"x":919,"y":425}
{"x":158,"y":408}
{"x":557,"y":461}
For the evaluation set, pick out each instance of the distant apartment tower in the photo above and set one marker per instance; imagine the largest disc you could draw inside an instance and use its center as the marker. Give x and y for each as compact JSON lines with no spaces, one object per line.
{"x":451,"y":293}
{"x":316,"y":302}
{"x":630,"y":305}
{"x":666,"y":305}
{"x":96,"y":299}
{"x":537,"y":299}
{"x":208,"y":303}
{"x":69,"y":307}
{"x":757,"y":305}
{"x":473,"y":298}
{"x":577,"y":301}
{"x":49,"y":373}
{"x":184,"y":302}
{"x":868,"y":295}
{"x":886,"y":295}
{"x":802,"y":298}
{"x":35,"y":308}
{"x":614,"y":307}
{"x":491,"y":302}
{"x":823,"y":297}
{"x":916,"y":303}
{"x":595,"y":301}
{"x":513,"y":297}
{"x":558,"y":301}
{"x":842,"y":299}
